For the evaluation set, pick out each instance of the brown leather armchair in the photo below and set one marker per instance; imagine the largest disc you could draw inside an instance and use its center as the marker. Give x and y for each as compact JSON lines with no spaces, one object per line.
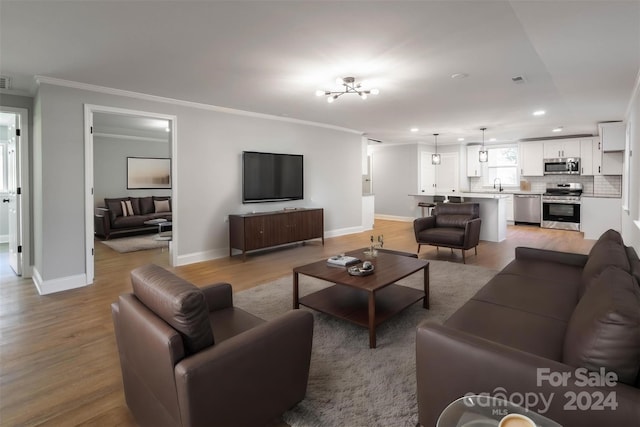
{"x":451,"y":225}
{"x":190,"y":358}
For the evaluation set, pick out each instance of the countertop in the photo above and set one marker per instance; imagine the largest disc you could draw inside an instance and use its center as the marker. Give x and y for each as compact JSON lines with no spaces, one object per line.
{"x":487,"y":195}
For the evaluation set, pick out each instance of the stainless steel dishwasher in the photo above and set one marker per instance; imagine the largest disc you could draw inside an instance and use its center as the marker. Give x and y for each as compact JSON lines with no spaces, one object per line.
{"x":527,"y":208}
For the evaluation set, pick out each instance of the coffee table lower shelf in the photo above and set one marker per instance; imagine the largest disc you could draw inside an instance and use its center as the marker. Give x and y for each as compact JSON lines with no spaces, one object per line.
{"x":352,"y":304}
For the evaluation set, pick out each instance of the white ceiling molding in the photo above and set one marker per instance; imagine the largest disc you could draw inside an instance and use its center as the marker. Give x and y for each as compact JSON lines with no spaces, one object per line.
{"x":190,"y":104}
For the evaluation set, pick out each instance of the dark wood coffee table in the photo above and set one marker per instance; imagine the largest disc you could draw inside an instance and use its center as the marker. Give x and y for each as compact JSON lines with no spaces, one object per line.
{"x":364,"y":300}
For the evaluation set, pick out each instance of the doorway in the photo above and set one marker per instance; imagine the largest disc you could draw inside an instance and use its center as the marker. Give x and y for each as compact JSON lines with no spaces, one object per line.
{"x":113,"y":137}
{"x":14,"y":192}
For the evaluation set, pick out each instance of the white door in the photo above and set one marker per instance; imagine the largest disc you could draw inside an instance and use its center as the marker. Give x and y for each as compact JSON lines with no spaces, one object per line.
{"x":13,"y":156}
{"x":427,"y":174}
{"x":447,"y":173}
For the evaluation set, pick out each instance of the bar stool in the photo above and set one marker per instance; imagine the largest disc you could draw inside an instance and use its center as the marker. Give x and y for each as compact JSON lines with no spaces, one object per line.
{"x":456,"y":199}
{"x":427,"y":205}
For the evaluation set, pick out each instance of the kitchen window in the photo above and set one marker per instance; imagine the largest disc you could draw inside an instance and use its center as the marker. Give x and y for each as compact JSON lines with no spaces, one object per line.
{"x":503,"y":165}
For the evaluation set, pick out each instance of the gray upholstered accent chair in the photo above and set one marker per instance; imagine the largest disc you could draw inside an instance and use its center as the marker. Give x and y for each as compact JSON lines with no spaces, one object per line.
{"x":190,"y":358}
{"x":452,"y":225}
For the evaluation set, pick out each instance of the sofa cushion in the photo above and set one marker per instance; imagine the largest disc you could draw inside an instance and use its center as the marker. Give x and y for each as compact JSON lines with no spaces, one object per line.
{"x":532,"y":333}
{"x":176,"y":301}
{"x":135,"y":204}
{"x":545,"y":271}
{"x":604,"y":330}
{"x":115,"y":209}
{"x":232,"y":321}
{"x":551,"y":298}
{"x":146,"y":205}
{"x":608,"y":251}
{"x":445,"y":236}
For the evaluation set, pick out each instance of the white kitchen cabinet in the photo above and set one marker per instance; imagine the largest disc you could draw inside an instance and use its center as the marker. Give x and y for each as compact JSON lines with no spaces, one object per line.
{"x":612,"y":136}
{"x":598,"y":214}
{"x":509,"y":208}
{"x":531,"y":158}
{"x":609,"y":163}
{"x":474,"y":167}
{"x":447,"y":173}
{"x":559,"y":148}
{"x":612,"y":163}
{"x":586,"y":156}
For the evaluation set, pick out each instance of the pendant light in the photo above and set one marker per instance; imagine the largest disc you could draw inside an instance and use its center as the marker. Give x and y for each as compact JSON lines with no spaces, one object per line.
{"x":435,"y":157}
{"x":483,"y":153}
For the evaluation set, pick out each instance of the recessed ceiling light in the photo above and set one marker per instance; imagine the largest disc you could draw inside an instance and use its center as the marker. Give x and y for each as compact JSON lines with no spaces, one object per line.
{"x":539,"y":113}
{"x":460,"y":139}
{"x":558,"y":129}
{"x":459,"y":75}
{"x":492,"y":139}
{"x":414,"y":129}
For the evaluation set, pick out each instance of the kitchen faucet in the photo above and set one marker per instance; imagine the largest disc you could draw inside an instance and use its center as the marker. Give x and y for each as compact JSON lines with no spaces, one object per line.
{"x":499,"y":184}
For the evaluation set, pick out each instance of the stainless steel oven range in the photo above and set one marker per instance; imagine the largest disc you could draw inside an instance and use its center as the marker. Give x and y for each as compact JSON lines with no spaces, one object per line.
{"x":561,"y":206}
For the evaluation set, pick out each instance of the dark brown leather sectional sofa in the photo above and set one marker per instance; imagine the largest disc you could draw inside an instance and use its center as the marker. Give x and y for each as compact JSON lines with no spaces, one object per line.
{"x":546,"y":315}
{"x":111,"y":221}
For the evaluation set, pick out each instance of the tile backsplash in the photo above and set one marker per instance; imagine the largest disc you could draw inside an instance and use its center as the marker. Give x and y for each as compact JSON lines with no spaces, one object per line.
{"x":601,"y":185}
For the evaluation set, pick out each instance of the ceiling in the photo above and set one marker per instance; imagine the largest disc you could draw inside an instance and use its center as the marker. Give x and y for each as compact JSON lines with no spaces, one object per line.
{"x":579,"y":59}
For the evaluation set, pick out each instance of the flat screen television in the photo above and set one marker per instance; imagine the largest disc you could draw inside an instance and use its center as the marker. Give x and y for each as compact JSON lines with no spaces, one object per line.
{"x":270,"y":177}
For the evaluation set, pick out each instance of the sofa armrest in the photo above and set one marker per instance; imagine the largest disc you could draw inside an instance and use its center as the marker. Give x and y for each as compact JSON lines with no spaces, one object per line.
{"x":534,"y":254}
{"x":472,"y":233}
{"x":218,"y":296}
{"x":423,"y":223}
{"x":102,"y":222}
{"x":451,"y":363}
{"x":265,"y":369}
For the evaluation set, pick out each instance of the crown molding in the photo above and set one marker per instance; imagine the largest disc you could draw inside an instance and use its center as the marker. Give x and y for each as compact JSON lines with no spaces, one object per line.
{"x":190,"y":104}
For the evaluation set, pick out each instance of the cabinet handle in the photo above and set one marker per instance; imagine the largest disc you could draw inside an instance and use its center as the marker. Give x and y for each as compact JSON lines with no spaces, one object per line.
{"x":598,"y":169}
{"x":598,"y":145}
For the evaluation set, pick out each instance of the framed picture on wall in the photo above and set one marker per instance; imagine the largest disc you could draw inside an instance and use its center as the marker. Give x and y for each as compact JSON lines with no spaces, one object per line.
{"x":148,"y":173}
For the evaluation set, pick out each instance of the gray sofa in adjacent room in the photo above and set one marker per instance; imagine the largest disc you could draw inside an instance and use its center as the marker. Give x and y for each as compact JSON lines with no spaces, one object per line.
{"x":113,"y":221}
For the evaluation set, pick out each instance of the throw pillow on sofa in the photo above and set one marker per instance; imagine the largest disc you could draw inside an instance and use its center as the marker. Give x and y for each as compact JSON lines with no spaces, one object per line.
{"x":604,"y":329}
{"x":162,"y":206}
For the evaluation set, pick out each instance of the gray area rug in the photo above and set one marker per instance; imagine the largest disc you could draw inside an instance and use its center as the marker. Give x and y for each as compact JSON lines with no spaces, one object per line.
{"x":135,"y":243}
{"x":350,"y":384}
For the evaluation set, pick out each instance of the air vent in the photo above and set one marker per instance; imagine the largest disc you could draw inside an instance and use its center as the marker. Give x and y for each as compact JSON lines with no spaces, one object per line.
{"x":518,"y":80}
{"x":375,"y":140}
{"x":5,"y":82}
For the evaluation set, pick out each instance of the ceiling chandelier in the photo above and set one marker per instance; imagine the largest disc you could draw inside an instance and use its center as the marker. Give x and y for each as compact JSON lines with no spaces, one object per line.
{"x":350,"y":86}
{"x":483,"y":153}
{"x":435,"y":157}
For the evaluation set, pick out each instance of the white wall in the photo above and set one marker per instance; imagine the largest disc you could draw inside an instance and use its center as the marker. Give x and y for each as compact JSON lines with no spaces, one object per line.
{"x":630,"y":231}
{"x":395,"y":176}
{"x":208,"y":185}
{"x":4,"y":207}
{"x":110,"y":166}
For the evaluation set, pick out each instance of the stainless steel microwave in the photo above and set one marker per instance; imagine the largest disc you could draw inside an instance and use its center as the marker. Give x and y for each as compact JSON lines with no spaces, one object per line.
{"x":564,"y":166}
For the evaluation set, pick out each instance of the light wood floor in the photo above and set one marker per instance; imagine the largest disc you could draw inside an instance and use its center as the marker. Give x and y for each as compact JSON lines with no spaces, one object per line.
{"x":58,"y":358}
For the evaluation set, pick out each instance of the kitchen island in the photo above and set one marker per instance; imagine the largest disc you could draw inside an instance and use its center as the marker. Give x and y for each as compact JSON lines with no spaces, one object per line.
{"x":492,"y":211}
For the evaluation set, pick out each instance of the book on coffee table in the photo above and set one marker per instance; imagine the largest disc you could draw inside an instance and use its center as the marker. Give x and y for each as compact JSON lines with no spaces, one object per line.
{"x":342,"y":260}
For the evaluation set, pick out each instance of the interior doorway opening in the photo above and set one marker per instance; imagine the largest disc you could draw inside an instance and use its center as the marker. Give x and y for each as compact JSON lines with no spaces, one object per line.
{"x":124,"y":185}
{"x":14,"y":192}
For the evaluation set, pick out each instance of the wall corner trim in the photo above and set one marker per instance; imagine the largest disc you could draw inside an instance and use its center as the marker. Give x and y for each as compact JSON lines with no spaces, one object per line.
{"x":58,"y":285}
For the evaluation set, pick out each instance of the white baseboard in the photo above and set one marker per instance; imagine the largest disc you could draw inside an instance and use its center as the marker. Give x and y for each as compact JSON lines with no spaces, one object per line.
{"x":395,"y":218}
{"x":58,"y":285}
{"x":344,"y":231}
{"x":202,"y":256}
